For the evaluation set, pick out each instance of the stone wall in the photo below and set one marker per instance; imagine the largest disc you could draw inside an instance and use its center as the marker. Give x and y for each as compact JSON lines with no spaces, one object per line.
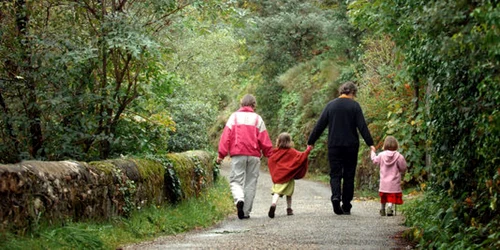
{"x":34,"y":192}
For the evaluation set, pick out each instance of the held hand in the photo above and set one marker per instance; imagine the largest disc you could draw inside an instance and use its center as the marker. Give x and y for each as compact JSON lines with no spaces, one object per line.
{"x":219,"y":160}
{"x":373,"y":148}
{"x":310,"y":146}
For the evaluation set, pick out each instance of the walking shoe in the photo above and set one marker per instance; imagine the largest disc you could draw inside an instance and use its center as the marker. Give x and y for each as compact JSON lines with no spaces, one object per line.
{"x":336,"y":206}
{"x":246,"y":217}
{"x":382,"y":212}
{"x":271,"y":211}
{"x":289,"y":211}
{"x":239,"y":206}
{"x":345,"y":210}
{"x":390,"y":212}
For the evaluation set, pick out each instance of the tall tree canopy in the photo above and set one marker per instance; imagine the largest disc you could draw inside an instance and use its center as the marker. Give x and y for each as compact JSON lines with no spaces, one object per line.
{"x":72,"y":72}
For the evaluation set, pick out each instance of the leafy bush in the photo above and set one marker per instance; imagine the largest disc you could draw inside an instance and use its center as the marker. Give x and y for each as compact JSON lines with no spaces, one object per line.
{"x":451,"y":48}
{"x":392,"y":105}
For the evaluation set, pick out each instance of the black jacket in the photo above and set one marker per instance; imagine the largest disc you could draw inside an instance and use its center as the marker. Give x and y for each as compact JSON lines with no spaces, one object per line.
{"x":344,"y":118}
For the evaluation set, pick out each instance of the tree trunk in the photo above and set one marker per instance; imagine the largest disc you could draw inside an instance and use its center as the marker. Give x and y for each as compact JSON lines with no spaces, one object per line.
{"x":31,"y":106}
{"x":13,"y":155}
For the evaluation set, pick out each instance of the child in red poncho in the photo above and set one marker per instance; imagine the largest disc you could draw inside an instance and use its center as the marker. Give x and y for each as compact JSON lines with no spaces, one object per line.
{"x":285,"y":165}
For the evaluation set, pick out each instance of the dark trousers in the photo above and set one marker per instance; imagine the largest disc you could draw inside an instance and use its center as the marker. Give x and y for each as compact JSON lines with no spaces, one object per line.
{"x":343,"y":161}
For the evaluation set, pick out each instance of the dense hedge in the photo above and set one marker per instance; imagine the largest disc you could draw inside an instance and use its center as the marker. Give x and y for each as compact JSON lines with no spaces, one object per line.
{"x":451,"y":48}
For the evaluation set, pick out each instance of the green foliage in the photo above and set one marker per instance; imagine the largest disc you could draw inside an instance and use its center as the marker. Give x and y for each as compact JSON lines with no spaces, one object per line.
{"x":127,"y":188}
{"x":284,"y":34}
{"x":450,"y":51}
{"x":435,"y":224}
{"x":150,"y":222}
{"x":392,"y":105}
{"x":173,"y":189}
{"x":206,"y":63}
{"x":85,"y":81}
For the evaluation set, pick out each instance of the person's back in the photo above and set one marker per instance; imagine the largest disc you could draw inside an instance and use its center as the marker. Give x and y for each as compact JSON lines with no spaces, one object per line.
{"x":392,"y":167}
{"x":344,"y":118}
{"x":286,"y":164}
{"x":244,"y":139}
{"x":247,"y":135}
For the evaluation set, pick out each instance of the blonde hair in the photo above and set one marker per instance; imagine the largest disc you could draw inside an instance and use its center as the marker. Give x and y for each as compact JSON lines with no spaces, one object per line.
{"x":284,"y":141}
{"x":391,"y":143}
{"x":248,"y":100}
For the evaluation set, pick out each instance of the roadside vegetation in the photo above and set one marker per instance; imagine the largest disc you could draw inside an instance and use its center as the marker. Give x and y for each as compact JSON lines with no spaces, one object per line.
{"x":143,"y":224}
{"x":91,"y":80}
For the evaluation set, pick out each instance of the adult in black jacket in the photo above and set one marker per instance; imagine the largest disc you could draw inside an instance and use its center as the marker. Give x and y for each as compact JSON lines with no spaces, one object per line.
{"x":344,"y":118}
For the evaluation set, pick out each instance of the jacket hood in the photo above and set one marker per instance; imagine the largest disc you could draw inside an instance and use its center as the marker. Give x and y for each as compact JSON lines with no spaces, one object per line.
{"x":390,"y":157}
{"x":245,"y":109}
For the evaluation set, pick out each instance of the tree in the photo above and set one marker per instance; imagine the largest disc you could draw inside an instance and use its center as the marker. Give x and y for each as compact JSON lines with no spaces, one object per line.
{"x":285,"y":34}
{"x":73,"y":68}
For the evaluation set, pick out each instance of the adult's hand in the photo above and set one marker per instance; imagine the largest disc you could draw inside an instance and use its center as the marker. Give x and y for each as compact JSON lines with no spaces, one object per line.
{"x":219,"y":160}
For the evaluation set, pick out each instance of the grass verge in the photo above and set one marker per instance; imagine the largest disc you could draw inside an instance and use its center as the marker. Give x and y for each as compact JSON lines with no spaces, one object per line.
{"x":145,"y":224}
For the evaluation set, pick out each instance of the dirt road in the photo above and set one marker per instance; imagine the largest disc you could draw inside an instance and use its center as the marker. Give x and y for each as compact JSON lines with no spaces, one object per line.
{"x":314,"y":225}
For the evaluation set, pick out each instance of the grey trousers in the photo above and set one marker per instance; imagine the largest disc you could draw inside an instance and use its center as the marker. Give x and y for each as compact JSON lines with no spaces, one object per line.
{"x":243,"y":180}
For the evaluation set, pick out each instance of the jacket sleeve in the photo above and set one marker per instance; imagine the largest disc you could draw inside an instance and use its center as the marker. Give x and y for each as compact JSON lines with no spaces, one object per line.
{"x":301,"y":163}
{"x":375,"y":158}
{"x":319,"y":128}
{"x":302,"y":157}
{"x":402,"y":164}
{"x":265,"y":144}
{"x":363,"y":128}
{"x":225,"y":141}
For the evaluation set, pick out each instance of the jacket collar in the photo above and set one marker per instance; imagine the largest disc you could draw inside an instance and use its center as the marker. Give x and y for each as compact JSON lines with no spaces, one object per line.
{"x":346,"y":96}
{"x":246,"y":109}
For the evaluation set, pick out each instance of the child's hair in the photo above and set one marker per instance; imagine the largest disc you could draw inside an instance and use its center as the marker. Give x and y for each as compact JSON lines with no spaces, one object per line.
{"x":391,"y":143}
{"x":284,"y":141}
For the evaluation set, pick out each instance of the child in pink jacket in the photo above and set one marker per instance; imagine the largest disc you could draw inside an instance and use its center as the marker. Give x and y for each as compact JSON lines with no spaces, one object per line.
{"x":392,"y":167}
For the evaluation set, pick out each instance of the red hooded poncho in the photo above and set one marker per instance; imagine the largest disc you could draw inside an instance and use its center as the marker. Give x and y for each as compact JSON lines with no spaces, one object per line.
{"x":286,"y":164}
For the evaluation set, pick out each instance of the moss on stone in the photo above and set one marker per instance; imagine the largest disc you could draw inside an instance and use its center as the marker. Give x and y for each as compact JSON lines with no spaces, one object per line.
{"x":149,"y":168}
{"x":104,"y":166}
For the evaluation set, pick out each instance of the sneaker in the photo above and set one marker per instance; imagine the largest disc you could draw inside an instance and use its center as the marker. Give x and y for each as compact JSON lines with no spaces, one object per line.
{"x":271,"y":211}
{"x":239,"y":206}
{"x":382,"y":212}
{"x":289,"y":211}
{"x":246,"y":217}
{"x":336,"y":206}
{"x":390,"y":212}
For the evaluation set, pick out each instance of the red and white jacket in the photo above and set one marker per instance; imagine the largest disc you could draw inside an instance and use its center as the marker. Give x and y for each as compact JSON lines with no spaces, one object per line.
{"x":245,"y":134}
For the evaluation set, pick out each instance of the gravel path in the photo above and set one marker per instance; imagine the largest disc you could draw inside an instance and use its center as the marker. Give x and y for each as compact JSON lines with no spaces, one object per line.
{"x":314,"y":225}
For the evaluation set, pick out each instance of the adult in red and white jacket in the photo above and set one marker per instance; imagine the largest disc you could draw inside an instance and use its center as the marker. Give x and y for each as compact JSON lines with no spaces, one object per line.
{"x":245,"y":140}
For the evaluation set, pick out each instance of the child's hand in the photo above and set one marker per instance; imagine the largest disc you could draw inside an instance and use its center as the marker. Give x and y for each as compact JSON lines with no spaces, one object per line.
{"x":373,"y":148}
{"x":310,"y":146}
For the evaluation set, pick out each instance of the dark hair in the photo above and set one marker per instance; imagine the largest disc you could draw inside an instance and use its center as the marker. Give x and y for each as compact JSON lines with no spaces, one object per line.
{"x":284,"y":141}
{"x":348,"y":88}
{"x":248,"y":100}
{"x":391,"y":143}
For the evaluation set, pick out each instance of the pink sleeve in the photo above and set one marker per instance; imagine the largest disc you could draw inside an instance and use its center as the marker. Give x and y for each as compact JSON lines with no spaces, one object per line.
{"x":224,"y":142}
{"x":265,"y":144}
{"x":375,"y":158}
{"x":402,"y":164}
